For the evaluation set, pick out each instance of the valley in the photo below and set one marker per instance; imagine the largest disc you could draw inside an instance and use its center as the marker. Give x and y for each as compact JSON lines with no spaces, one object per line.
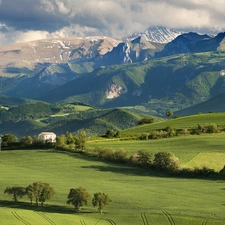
{"x":116,"y":107}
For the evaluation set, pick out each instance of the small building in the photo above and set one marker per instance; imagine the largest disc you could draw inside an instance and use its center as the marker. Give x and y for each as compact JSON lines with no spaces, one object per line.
{"x":47,"y":136}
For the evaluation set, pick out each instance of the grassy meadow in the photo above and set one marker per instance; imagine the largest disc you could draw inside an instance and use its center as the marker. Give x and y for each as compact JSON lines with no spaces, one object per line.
{"x":139,"y":196}
{"x":193,"y":151}
{"x":178,"y":123}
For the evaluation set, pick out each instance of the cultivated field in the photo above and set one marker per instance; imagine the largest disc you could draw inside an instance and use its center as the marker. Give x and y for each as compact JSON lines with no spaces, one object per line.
{"x":193,"y":151}
{"x":139,"y":196}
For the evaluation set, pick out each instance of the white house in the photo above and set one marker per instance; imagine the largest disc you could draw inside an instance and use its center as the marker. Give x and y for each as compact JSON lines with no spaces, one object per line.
{"x":47,"y":136}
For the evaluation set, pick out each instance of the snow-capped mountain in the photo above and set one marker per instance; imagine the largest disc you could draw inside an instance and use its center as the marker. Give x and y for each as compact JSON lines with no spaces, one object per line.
{"x":156,"y":34}
{"x":137,"y":50}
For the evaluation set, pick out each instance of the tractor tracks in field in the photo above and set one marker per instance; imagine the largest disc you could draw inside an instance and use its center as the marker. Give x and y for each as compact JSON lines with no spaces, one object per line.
{"x":20,"y":218}
{"x":82,"y":222}
{"x":46,"y":218}
{"x":169,"y":217}
{"x":110,"y":221}
{"x":144,"y":218}
{"x":205,"y":221}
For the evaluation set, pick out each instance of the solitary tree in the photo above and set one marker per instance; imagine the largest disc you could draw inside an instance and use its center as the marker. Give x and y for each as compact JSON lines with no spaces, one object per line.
{"x":169,"y":113}
{"x":16,"y":192}
{"x":100,"y":200}
{"x":78,"y":197}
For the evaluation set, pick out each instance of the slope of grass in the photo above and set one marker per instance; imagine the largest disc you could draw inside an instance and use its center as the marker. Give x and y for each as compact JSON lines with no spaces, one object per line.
{"x":179,"y":123}
{"x":215,"y":104}
{"x":139,"y":196}
{"x":186,"y":148}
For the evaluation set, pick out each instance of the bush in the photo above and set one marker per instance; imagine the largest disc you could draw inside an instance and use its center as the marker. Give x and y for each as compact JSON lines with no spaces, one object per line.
{"x":166,"y":161}
{"x":146,"y":121}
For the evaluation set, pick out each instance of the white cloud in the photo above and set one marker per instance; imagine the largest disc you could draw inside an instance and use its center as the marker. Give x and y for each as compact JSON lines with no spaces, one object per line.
{"x":116,"y":18}
{"x":62,"y":8}
{"x":47,"y":6}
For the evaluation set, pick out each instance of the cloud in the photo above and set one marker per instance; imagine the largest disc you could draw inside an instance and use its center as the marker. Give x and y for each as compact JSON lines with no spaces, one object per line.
{"x":116,"y":18}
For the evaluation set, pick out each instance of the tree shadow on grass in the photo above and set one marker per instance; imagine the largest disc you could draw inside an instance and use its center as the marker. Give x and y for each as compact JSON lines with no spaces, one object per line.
{"x":45,"y":208}
{"x":127,"y":169}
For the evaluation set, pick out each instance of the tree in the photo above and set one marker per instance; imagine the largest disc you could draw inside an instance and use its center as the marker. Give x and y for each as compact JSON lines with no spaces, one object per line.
{"x":145,"y":157}
{"x":121,"y":155}
{"x":40,"y":192}
{"x":169,"y":113}
{"x":80,"y":140}
{"x":166,"y":161}
{"x":60,"y":141}
{"x":69,"y":138}
{"x":30,"y":193}
{"x":100,"y":200}
{"x":46,"y":193}
{"x":109,"y":133}
{"x":8,"y":139}
{"x":146,"y":120}
{"x":26,"y":140}
{"x":78,"y":197}
{"x":17,"y":192}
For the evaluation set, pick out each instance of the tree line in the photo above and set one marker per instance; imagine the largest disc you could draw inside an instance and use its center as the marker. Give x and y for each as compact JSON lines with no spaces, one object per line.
{"x":165,"y":162}
{"x":40,"y":192}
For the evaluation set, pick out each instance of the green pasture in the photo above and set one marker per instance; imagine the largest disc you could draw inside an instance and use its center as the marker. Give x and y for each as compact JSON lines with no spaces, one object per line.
{"x":139,"y":196}
{"x":178,"y":123}
{"x":186,"y":148}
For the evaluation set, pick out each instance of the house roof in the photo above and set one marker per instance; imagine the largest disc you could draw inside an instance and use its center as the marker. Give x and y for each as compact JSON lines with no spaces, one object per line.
{"x":47,"y":133}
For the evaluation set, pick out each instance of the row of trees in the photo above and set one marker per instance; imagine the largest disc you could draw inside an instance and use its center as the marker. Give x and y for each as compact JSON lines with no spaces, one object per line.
{"x":79,"y":197}
{"x":38,"y":191}
{"x":172,"y":132}
{"x":10,"y":140}
{"x":165,"y":161}
{"x":67,"y":140}
{"x":162,"y":161}
{"x":41,"y":192}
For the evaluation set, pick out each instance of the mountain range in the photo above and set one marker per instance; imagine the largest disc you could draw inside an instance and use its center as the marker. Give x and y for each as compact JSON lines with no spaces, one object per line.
{"x":175,"y":70}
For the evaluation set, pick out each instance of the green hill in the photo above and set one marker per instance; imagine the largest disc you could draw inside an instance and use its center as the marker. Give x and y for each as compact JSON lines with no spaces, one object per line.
{"x":215,"y":104}
{"x":174,"y":82}
{"x":8,"y":101}
{"x":31,"y":119}
{"x":178,"y":123}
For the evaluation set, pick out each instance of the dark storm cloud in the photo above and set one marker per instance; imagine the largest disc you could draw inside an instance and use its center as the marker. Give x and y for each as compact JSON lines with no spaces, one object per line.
{"x":31,"y":15}
{"x":22,"y":20}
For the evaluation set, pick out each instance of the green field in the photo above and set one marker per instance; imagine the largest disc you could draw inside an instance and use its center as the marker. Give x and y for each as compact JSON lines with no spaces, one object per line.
{"x":179,"y":123}
{"x":139,"y":196}
{"x":186,"y":148}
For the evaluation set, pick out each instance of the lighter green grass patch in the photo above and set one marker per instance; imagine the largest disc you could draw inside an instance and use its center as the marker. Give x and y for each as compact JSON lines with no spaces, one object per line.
{"x":210,"y":160}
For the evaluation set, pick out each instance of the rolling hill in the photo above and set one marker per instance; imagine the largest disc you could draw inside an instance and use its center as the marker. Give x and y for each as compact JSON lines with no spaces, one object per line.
{"x":174,"y":82}
{"x":31,"y":119}
{"x":214,"y":104}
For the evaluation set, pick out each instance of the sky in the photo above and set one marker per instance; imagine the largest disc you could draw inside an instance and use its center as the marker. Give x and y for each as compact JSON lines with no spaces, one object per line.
{"x":26,"y":20}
